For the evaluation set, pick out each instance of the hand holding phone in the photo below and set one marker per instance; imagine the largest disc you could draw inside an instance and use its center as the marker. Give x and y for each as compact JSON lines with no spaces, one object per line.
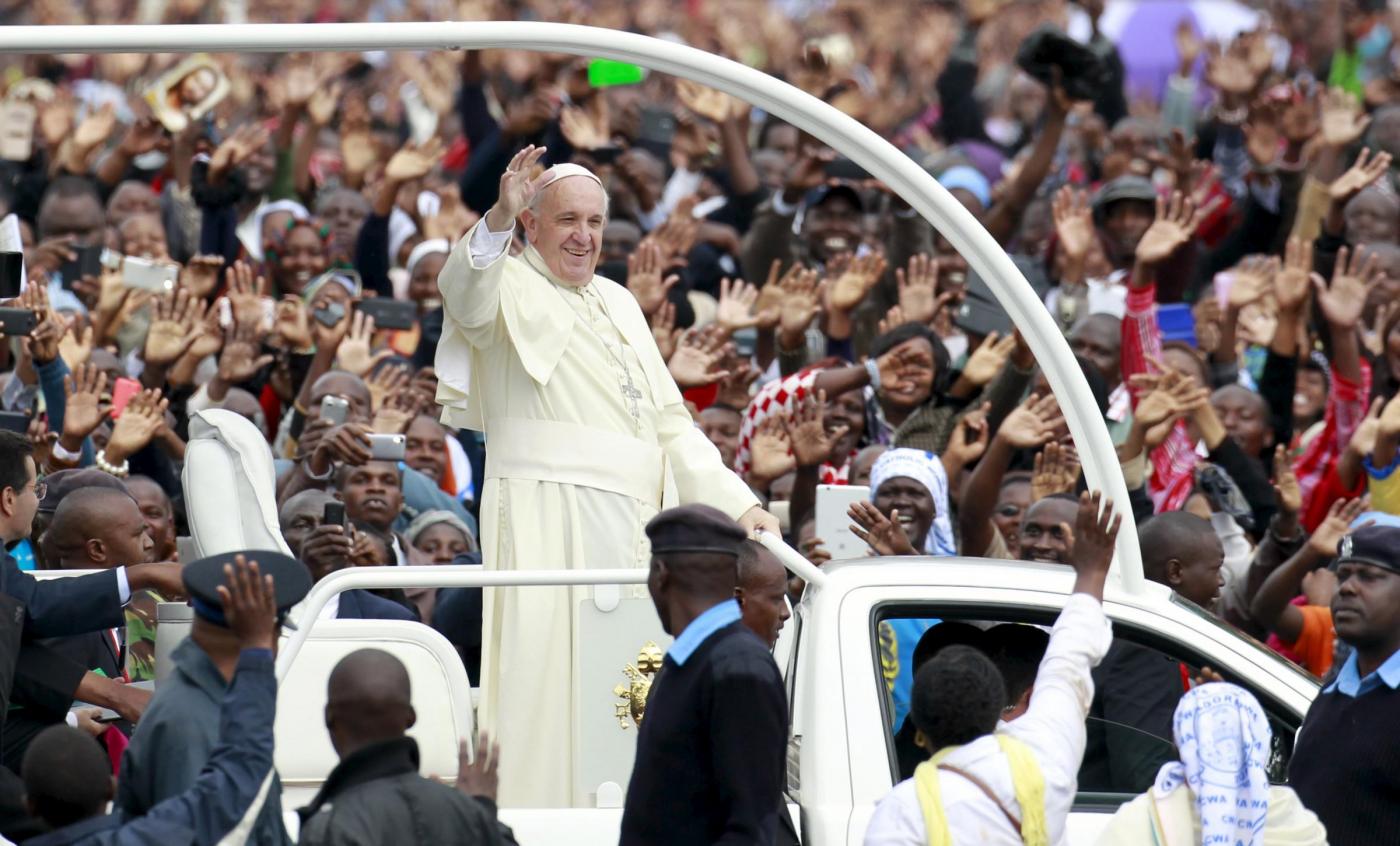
{"x":122,"y":392}
{"x":334,"y":515}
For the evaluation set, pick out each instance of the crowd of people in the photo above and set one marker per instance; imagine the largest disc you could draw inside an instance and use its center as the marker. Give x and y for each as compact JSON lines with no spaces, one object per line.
{"x":265,"y":234}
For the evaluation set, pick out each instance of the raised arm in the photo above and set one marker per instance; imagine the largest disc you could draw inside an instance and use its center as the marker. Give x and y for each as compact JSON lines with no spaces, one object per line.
{"x":1029,"y":426}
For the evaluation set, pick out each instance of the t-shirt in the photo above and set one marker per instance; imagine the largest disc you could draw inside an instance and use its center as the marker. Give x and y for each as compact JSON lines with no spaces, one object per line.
{"x":1315,"y":644}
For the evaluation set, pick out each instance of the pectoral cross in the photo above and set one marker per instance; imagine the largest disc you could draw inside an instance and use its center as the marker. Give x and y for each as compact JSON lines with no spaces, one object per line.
{"x":633,"y":393}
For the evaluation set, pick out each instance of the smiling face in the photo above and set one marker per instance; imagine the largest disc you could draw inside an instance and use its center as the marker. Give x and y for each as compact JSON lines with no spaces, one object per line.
{"x":566,"y":227}
{"x":915,"y":390}
{"x":832,"y":227}
{"x":913,"y":502}
{"x":721,"y":426}
{"x":848,"y":410}
{"x":300,"y":258}
{"x":158,"y":514}
{"x":373,"y":493}
{"x":1372,"y":218}
{"x":143,"y":235}
{"x":425,"y":447}
{"x":1045,"y":531}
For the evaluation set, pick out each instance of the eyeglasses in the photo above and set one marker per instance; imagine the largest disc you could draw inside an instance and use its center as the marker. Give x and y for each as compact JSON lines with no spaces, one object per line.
{"x":40,"y":489}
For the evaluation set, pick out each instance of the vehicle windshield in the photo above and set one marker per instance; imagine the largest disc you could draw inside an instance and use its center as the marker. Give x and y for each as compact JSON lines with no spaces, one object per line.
{"x":1272,"y":656}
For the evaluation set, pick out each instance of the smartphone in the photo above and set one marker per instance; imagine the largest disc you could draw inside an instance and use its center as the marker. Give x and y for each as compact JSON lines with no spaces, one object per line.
{"x":122,"y":392}
{"x":149,"y":274}
{"x":386,"y":447}
{"x":329,"y":316}
{"x":11,"y":274}
{"x":834,"y":524}
{"x":226,"y":312}
{"x":17,"y":118}
{"x":976,"y":316}
{"x":389,"y":313}
{"x":14,"y":421}
{"x":17,"y":321}
{"x":845,"y":169}
{"x":658,"y":125}
{"x":88,"y":262}
{"x":334,"y":410}
{"x":334,"y":515}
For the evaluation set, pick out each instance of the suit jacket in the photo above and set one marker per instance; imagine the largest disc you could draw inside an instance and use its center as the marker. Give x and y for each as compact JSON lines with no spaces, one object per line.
{"x":58,"y":607}
{"x":37,"y":705}
{"x":711,"y":753}
{"x":363,"y":605}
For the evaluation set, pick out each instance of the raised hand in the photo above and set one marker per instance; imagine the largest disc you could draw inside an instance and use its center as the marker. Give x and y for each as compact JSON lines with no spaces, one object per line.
{"x":1254,"y":276}
{"x":291,"y":325}
{"x":1364,"y":172}
{"x":1335,"y":526}
{"x":518,"y":188}
{"x":1176,"y":222}
{"x":736,"y":306}
{"x":395,"y":411}
{"x":201,"y":276}
{"x":918,"y":290}
{"x":240,"y":359}
{"x":968,"y":441}
{"x":385,"y":383}
{"x":453,"y":218}
{"x":770,"y":451}
{"x":246,"y":140}
{"x":696,"y":361}
{"x":1033,"y":423}
{"x":83,"y":409}
{"x":988,"y":359}
{"x":1261,"y":132}
{"x":811,"y":442}
{"x":1188,"y":45}
{"x":1286,"y":487}
{"x":897,"y":367}
{"x":664,"y":331}
{"x":327,"y":548}
{"x":1074,"y":222}
{"x":1342,"y":119}
{"x":413,"y":161}
{"x":75,"y":347}
{"x":1056,"y":471}
{"x":884,"y":534}
{"x":809,"y":172}
{"x":1343,"y":301}
{"x":354,"y":355}
{"x":1095,"y":535}
{"x":323,"y":103}
{"x":1301,"y":119}
{"x":708,"y":103}
{"x":802,"y":292}
{"x":357,"y":149}
{"x":143,"y":416}
{"x":1230,"y":71}
{"x":476,"y":776}
{"x":246,"y":289}
{"x":850,"y":279}
{"x":644,"y":268}
{"x":735,"y":390}
{"x":249,"y":602}
{"x":581,"y":130}
{"x":143,"y":136}
{"x":1292,"y":281}
{"x":174,"y":328}
{"x":96,"y":128}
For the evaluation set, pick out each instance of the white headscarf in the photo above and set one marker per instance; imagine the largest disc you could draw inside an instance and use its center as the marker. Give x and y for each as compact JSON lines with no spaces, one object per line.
{"x":926,"y":469}
{"x":425,"y":249}
{"x":1223,"y":738}
{"x":292,"y":207}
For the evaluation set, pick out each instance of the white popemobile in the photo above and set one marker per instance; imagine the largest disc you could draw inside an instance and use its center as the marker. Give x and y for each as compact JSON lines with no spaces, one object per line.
{"x":841,"y":750}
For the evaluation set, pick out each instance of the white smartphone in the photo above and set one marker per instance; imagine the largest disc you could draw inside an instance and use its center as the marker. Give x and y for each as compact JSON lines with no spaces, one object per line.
{"x":833,"y":523}
{"x":149,"y":274}
{"x":226,"y":312}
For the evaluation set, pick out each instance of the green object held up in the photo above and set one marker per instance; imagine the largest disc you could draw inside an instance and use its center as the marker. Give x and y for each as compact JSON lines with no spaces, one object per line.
{"x":603,"y":73}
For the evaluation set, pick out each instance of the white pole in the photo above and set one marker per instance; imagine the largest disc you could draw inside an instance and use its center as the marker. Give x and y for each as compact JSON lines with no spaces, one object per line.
{"x":867,"y":149}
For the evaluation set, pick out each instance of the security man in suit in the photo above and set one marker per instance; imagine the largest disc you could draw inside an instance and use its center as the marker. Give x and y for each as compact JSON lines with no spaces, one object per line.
{"x":710,"y":753}
{"x":179,"y":732}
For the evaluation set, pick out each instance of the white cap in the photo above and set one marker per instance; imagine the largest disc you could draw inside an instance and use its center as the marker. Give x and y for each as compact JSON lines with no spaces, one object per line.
{"x":563,"y":171}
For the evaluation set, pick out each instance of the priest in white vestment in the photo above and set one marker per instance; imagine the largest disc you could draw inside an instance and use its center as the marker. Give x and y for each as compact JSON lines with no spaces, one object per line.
{"x":587,"y":438}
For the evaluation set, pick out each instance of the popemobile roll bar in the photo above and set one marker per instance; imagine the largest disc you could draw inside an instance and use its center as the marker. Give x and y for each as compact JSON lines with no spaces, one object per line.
{"x":844,"y":134}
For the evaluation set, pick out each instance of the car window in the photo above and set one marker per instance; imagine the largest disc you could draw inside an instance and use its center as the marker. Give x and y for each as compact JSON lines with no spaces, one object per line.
{"x":1137,"y":687}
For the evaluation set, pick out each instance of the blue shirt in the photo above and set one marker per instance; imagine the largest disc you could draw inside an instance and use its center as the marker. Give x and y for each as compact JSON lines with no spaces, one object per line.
{"x":1350,"y":683}
{"x":701,"y":628}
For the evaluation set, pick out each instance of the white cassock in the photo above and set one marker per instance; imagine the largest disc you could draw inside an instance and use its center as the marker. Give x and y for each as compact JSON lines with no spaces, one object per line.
{"x":587,"y":437}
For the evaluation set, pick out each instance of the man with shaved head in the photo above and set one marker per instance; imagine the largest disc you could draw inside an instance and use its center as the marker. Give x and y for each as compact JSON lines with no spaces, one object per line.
{"x":588,"y":432}
{"x":375,"y":794}
{"x":762,"y":591}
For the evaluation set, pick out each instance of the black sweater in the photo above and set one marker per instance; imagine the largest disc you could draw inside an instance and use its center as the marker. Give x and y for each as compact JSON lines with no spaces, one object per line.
{"x":711,"y":751}
{"x":1346,"y":771}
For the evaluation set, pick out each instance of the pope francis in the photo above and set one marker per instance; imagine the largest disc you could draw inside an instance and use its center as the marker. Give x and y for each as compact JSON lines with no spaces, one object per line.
{"x":587,"y":438}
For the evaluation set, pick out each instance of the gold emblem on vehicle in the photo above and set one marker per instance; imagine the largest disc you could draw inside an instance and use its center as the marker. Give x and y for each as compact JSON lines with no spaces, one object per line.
{"x":632,"y":695}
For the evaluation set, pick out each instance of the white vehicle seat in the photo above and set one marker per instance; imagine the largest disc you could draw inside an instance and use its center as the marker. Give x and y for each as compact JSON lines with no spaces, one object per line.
{"x":441,"y":697}
{"x":230,"y":485}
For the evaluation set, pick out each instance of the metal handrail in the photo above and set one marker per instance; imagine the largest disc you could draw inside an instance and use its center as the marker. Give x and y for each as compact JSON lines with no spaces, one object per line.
{"x":864,"y":147}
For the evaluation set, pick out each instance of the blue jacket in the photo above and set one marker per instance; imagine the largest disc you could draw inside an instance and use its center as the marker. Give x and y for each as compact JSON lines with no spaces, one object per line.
{"x":363,"y":605}
{"x":227,"y":786}
{"x":177,"y":738}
